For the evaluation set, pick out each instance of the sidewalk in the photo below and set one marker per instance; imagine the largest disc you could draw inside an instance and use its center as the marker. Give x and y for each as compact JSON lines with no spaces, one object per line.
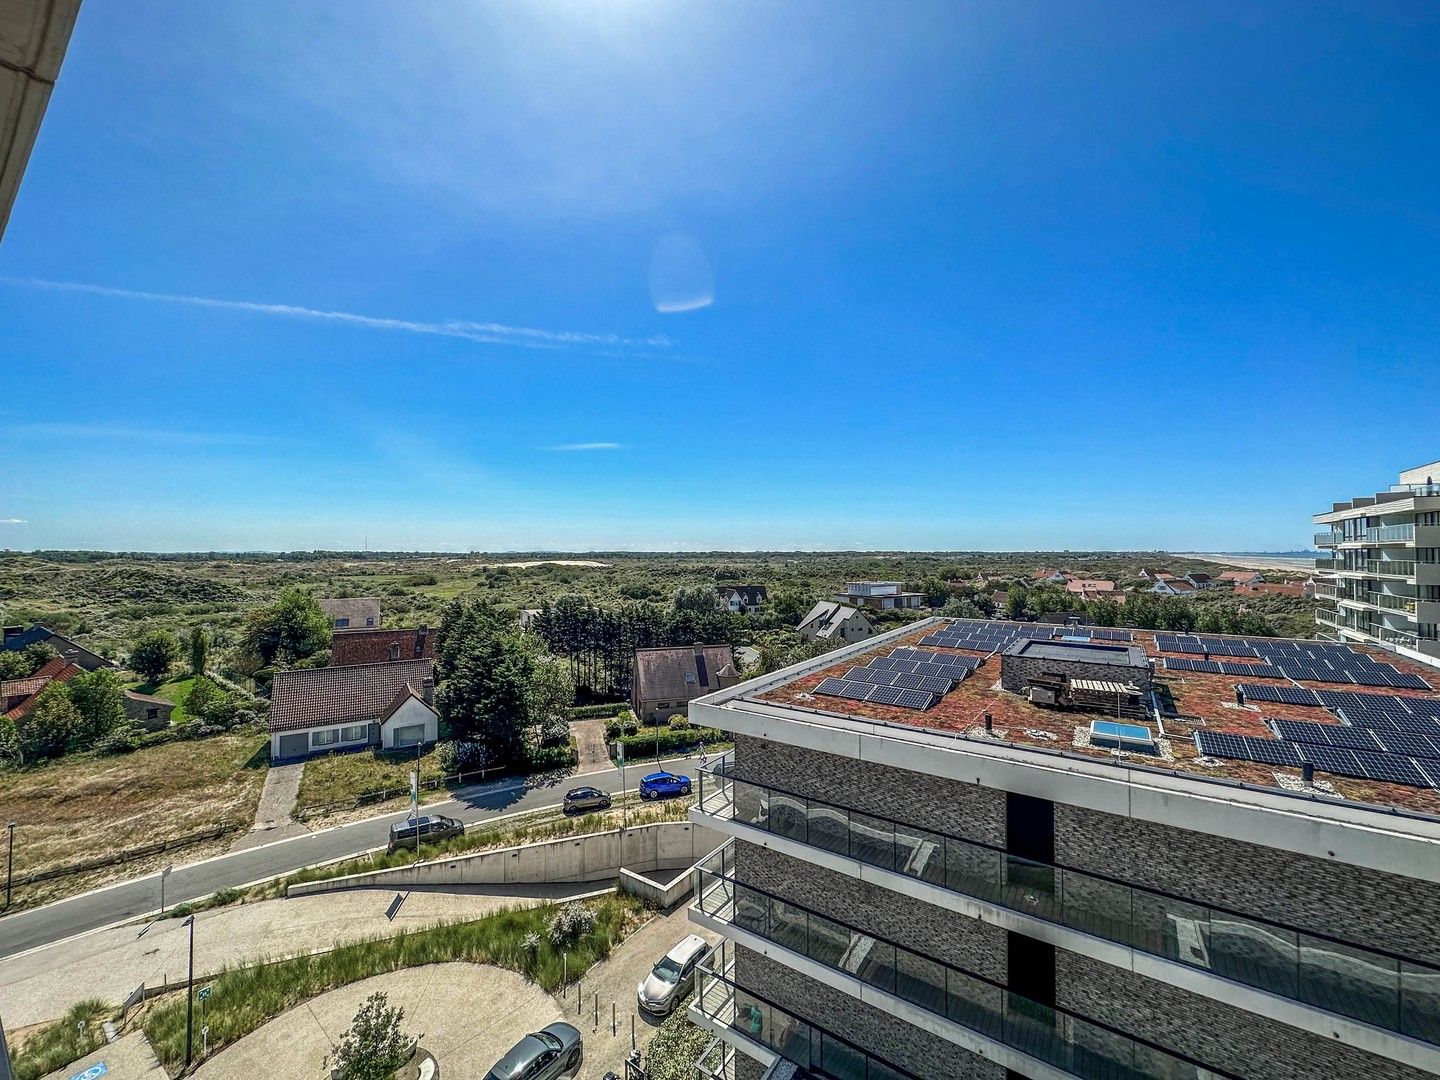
{"x":109,"y":964}
{"x":590,"y":745}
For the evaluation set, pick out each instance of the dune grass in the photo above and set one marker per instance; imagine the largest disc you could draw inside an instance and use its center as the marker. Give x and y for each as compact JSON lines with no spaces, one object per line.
{"x":74,"y":1035}
{"x":244,"y":998}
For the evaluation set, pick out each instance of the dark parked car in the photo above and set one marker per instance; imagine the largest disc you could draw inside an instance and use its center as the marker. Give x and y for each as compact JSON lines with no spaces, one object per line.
{"x":585,"y":798}
{"x":425,"y":830}
{"x":553,"y":1053}
{"x":659,"y":784}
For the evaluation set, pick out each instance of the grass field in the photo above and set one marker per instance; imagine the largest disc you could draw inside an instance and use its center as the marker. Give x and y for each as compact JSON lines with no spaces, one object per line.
{"x":339,"y":778}
{"x":81,"y":807}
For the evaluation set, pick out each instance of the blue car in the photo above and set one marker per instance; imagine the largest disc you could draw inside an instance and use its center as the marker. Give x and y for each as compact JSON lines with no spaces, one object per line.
{"x":664,"y":783}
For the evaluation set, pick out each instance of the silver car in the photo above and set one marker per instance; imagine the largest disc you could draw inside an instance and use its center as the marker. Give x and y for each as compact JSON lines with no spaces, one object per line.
{"x":671,"y":979}
{"x":552,"y":1053}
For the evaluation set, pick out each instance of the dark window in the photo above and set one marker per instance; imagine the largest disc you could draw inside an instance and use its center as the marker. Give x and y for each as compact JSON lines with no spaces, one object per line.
{"x":395,"y":651}
{"x":152,"y":714}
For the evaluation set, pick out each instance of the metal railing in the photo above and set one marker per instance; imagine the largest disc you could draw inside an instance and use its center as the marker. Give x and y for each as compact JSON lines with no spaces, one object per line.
{"x":1066,"y":1040}
{"x":823,"y":1053}
{"x":1327,"y":592}
{"x":716,"y":1062}
{"x":1398,"y":993}
{"x":1389,"y":601}
{"x":1329,"y":618}
{"x":1389,"y":534}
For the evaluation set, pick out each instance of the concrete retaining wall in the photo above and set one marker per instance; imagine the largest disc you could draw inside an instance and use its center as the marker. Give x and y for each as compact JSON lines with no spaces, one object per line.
{"x":668,"y":845}
{"x":663,"y":896}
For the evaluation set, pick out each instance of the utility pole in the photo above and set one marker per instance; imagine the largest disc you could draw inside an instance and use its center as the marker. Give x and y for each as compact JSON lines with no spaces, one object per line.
{"x":190,"y":997}
{"x":9,"y":865}
{"x":415,"y":801}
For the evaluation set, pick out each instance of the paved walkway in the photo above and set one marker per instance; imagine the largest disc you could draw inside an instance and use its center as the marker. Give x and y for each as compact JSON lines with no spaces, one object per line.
{"x":590,"y":745}
{"x":277,"y":803}
{"x":109,"y":964}
{"x":127,"y":1058}
{"x":467,"y":1015}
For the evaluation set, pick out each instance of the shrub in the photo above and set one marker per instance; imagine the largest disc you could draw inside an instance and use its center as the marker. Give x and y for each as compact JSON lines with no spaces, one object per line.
{"x":590,"y":712}
{"x":120,"y":741}
{"x":670,"y":739}
{"x":545,"y":758}
{"x":374,"y":1047}
{"x":679,"y":721}
{"x":459,"y":756}
{"x":571,"y":922}
{"x":555,"y":731}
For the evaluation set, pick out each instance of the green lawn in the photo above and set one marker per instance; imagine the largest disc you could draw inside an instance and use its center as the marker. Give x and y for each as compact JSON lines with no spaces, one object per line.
{"x":341,"y":778}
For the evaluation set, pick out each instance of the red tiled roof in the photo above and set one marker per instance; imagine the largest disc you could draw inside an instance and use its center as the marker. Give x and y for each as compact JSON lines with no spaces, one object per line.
{"x":57,"y":670}
{"x":375,"y":646}
{"x":314,"y":697}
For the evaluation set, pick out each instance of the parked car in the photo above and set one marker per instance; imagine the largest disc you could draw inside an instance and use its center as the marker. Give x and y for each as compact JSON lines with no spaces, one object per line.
{"x":671,"y":979}
{"x":552,"y":1053}
{"x":425,"y":830}
{"x":586,"y":798}
{"x":664,"y":783}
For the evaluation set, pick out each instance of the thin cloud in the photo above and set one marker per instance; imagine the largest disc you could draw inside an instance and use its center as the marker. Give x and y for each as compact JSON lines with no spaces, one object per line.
{"x":567,"y":447}
{"x":137,"y":434}
{"x":485,"y":332}
{"x":13,"y":521}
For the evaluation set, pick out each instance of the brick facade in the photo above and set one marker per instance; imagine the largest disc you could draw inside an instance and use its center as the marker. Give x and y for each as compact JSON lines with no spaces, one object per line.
{"x":914,"y":1050}
{"x":1208,"y":1030}
{"x":381,"y":646}
{"x":963,"y":810}
{"x":1367,"y":907}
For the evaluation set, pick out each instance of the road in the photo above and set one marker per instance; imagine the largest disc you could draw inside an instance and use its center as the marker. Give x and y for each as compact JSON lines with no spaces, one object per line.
{"x":141,"y":896}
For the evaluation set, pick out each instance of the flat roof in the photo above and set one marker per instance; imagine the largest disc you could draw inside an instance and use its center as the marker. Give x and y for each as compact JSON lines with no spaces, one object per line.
{"x":1076,"y":652}
{"x":1192,"y":701}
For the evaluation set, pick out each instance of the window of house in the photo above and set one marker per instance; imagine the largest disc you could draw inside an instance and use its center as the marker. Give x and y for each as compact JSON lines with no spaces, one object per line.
{"x":328,"y":737}
{"x":342,"y":623}
{"x":152,"y":714}
{"x":395,"y":651}
{"x":370,"y":621}
{"x":355,"y":733}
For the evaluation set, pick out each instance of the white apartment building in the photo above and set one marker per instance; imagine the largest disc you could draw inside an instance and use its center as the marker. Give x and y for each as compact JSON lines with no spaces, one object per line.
{"x":879,"y":594}
{"x":1381,"y":583}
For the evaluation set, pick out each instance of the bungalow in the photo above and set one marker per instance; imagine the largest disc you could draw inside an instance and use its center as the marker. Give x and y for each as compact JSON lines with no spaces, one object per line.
{"x":1201,"y":581}
{"x":1291,"y":588}
{"x":832,"y":620}
{"x":345,"y":708}
{"x":742,"y":599}
{"x":1173,"y":587}
{"x":668,"y":678}
{"x":1241,"y":577}
{"x":15,"y":638}
{"x":1151,"y":574}
{"x":348,"y":647}
{"x":1089,"y":585}
{"x":354,"y":611}
{"x":1052,"y":577}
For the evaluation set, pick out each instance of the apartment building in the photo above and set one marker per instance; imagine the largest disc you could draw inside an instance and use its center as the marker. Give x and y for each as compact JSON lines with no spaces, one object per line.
{"x":1380,"y":582}
{"x":977,"y":886}
{"x":881,"y":595}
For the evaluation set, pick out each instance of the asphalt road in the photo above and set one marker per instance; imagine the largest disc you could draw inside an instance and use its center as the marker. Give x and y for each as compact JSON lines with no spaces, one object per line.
{"x":141,"y":896}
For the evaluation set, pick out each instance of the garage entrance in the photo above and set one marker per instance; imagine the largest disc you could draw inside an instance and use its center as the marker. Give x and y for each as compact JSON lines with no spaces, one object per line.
{"x":295,"y":745}
{"x":410,"y":735}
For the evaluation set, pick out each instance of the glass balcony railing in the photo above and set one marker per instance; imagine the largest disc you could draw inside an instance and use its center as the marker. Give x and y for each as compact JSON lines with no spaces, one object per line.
{"x":1390,"y":534}
{"x":1326,"y":539}
{"x":1329,"y":564}
{"x":1399,"y":568}
{"x":716,"y":1062}
{"x":1329,"y":618}
{"x":1072,"y":1043}
{"x":1327,"y":592}
{"x":821,"y":1053}
{"x":1395,"y":992}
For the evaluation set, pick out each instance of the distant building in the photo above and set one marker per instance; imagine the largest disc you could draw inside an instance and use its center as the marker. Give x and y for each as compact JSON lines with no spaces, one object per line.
{"x":380,"y":646}
{"x":147,"y":711}
{"x":1201,"y":581}
{"x":16,"y":638}
{"x":315,"y":710}
{"x":1381,"y":572}
{"x":1173,"y":587}
{"x":1293,"y":588}
{"x":19,"y":696}
{"x":832,"y":620}
{"x":742,"y":599}
{"x":667,"y":679}
{"x":1049,"y":577}
{"x":358,"y":611}
{"x":1089,"y":585}
{"x":1148,"y":573}
{"x":882,"y":595}
{"x":1241,"y":577}
{"x":527,"y":617}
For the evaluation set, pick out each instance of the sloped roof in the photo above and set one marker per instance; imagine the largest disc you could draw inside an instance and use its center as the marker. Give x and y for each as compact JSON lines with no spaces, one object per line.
{"x":372,"y":645}
{"x":355,"y":608}
{"x":55,"y":669}
{"x":314,"y":697}
{"x":404,"y":694}
{"x":661,"y":673}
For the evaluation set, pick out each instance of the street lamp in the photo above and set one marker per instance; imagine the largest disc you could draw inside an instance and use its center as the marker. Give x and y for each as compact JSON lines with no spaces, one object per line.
{"x":9,"y":865}
{"x":190,"y":996}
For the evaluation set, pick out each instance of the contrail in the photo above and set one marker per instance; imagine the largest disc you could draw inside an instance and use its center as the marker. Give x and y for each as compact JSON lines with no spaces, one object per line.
{"x":485,"y":332}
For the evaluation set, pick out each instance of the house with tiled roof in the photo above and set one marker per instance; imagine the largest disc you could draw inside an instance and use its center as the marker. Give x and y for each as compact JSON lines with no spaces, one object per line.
{"x":1173,"y":587}
{"x":379,"y":646}
{"x":1201,"y":581}
{"x":834,"y":621}
{"x":742,"y":599}
{"x":1241,"y":577}
{"x":19,"y":696}
{"x":1089,"y":585}
{"x":667,"y":679}
{"x":352,"y":611}
{"x":317,"y":710}
{"x":1150,"y":573}
{"x":17,"y":638}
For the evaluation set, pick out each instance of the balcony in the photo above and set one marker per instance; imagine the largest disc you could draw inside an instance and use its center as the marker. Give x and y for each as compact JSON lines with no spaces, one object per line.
{"x":1327,"y":592}
{"x":1388,"y":991}
{"x":717,"y":1062}
{"x":1329,"y":618}
{"x":1328,"y":565}
{"x":1072,"y":1043}
{"x":1327,"y":539}
{"x":1388,"y":601}
{"x":1390,"y":534}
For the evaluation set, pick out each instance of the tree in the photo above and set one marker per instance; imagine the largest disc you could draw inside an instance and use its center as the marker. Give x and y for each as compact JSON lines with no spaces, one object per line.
{"x":40,"y":653}
{"x":374,"y":1047}
{"x":100,"y":701}
{"x":484,"y":677}
{"x":695,"y":599}
{"x":50,"y":726}
{"x":199,"y":649}
{"x":290,"y":630}
{"x":936,"y":591}
{"x":211,"y":703}
{"x":154,"y":654}
{"x":962,"y":608}
{"x":789,"y":605}
{"x":14,"y":665}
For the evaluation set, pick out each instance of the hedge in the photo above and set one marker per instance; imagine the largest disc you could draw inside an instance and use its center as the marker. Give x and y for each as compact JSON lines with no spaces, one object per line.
{"x":671,"y":739}
{"x":590,"y":712}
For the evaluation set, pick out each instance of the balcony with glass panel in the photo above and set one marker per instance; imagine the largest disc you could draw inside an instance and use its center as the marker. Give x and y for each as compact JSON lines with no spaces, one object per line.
{"x":1397,"y":993}
{"x":1390,"y":534}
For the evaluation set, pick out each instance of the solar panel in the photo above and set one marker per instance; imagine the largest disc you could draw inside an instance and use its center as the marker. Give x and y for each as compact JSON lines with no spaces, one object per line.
{"x":1181,"y":663}
{"x":830,"y":687}
{"x":1245,"y":748}
{"x":1392,"y":768}
{"x":1326,"y":735}
{"x":1413,"y":682}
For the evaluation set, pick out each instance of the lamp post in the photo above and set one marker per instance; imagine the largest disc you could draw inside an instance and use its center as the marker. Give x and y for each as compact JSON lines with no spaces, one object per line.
{"x":9,"y":864}
{"x":190,"y":997}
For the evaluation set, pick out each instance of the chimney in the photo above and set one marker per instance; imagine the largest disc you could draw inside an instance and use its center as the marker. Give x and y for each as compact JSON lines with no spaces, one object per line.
{"x":1307,"y":773}
{"x":702,"y":676}
{"x":989,"y":723}
{"x":427,"y":690}
{"x":420,"y":635}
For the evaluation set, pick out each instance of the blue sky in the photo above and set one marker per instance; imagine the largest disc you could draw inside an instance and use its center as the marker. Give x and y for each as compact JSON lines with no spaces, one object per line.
{"x":728,"y":275}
